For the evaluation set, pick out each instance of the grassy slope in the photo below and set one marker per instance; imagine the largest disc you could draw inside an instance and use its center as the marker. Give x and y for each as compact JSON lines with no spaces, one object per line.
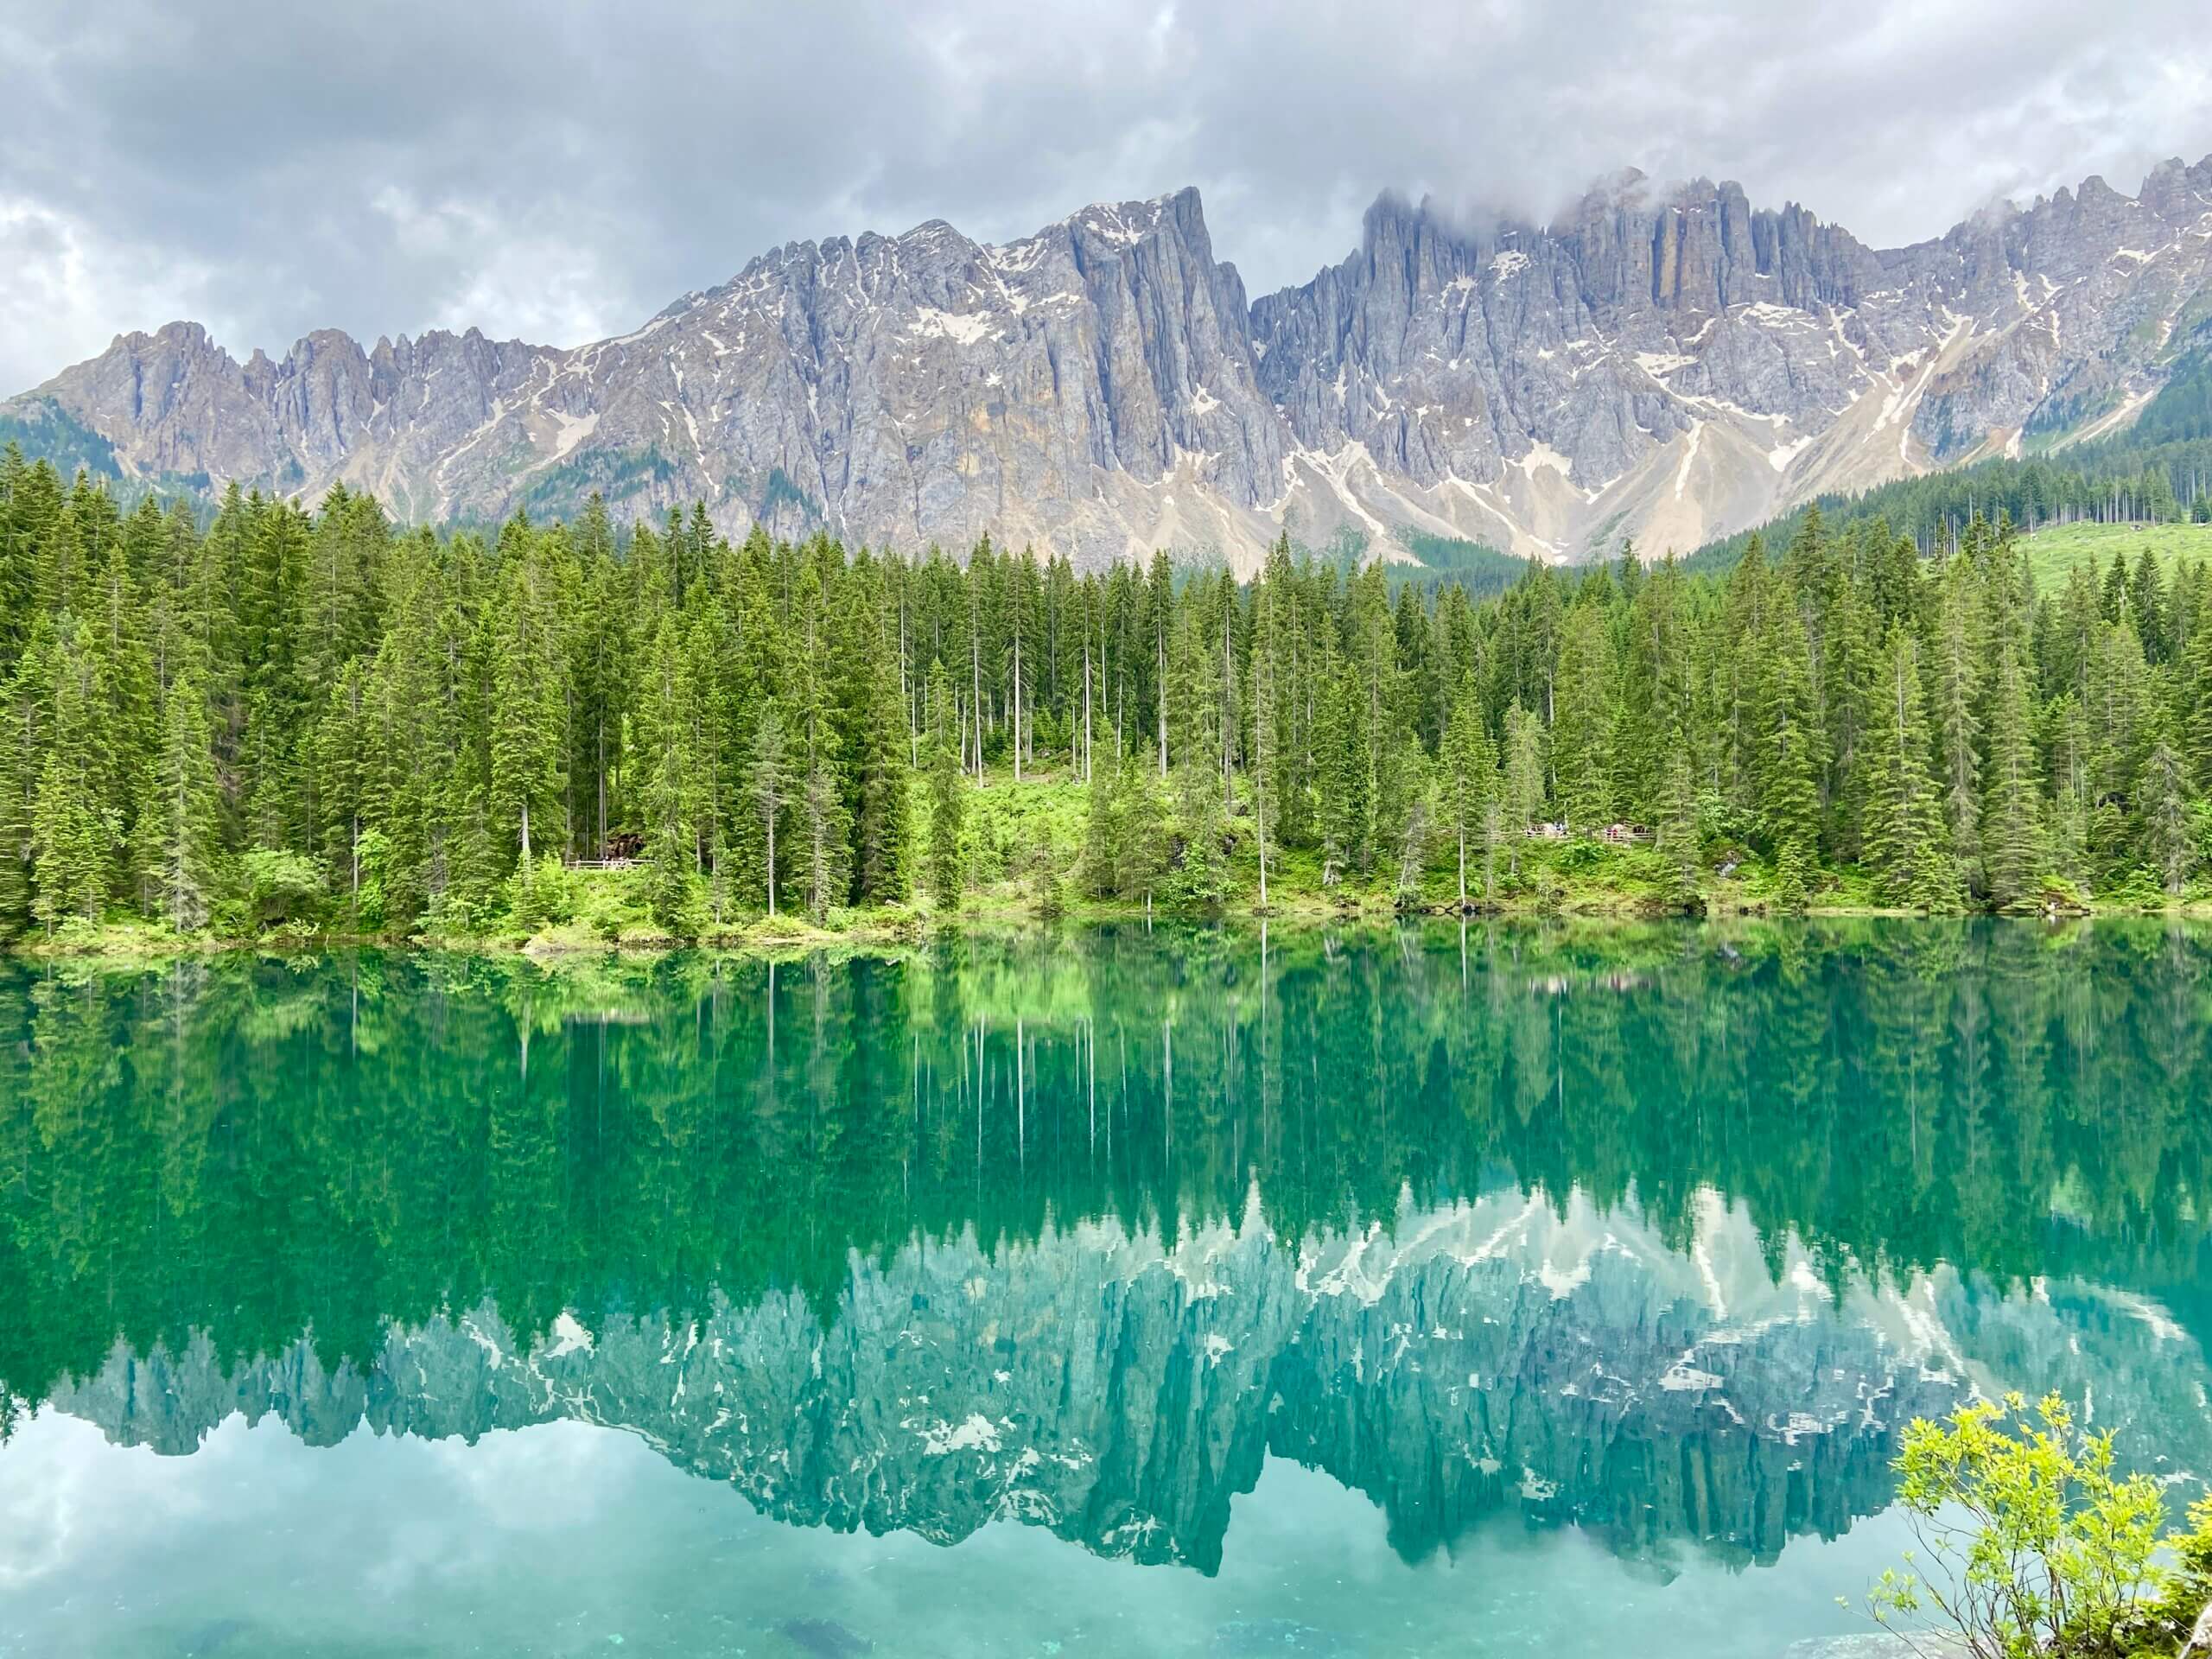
{"x":2055,"y":554}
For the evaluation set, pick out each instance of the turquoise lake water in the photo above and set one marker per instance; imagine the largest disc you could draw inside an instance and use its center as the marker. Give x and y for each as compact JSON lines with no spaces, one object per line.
{"x":1425,"y":1291}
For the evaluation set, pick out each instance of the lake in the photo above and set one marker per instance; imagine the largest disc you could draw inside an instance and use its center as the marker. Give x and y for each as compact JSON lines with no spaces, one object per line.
{"x":1432,"y":1290}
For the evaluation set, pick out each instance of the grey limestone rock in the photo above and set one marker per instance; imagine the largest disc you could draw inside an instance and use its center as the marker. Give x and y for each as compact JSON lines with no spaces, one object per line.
{"x":1671,"y":363}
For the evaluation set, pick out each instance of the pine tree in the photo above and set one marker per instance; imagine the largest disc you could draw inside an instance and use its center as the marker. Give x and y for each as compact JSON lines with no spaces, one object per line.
{"x":2197,"y":706}
{"x":1793,"y":878}
{"x":2166,"y":831}
{"x":824,"y":850}
{"x":883,"y":825}
{"x":1677,"y":839}
{"x":820,"y":760}
{"x":2011,"y":816}
{"x":948,"y":792}
{"x":1197,"y":800}
{"x":1469,"y":779}
{"x":770,"y":787}
{"x":179,"y":833}
{"x":1101,"y":836}
{"x":1744,"y":628}
{"x":1582,"y":735}
{"x":527,"y":681}
{"x":1126,"y":834}
{"x":69,"y":845}
{"x":344,"y":755}
{"x":1264,"y":723}
{"x":1906,"y":833}
{"x":23,"y":738}
{"x":1141,"y":828}
{"x":1960,"y":653}
{"x":1850,"y":642}
{"x":122,"y":699}
{"x":1375,"y":713}
{"x":1417,"y":819}
{"x":391,"y":718}
{"x":1524,"y":779}
{"x":1793,"y":746}
{"x":665,"y":717}
{"x":1347,"y":780}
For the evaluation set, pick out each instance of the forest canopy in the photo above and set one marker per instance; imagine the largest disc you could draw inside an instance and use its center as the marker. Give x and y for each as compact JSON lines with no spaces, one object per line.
{"x":275,"y":713}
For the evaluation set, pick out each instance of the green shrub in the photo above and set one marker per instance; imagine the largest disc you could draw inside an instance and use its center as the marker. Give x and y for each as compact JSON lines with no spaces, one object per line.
{"x":2034,"y":1546}
{"x":783,"y":924}
{"x":1580,"y":856}
{"x":1793,"y":879}
{"x":541,"y":895}
{"x":372,"y":855}
{"x":280,"y":887}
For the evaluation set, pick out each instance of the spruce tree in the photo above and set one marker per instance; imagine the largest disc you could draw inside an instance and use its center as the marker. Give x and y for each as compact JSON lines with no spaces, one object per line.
{"x":1850,"y":654}
{"x":528,"y":790}
{"x":948,"y":792}
{"x":1264,"y":724}
{"x":2011,"y":814}
{"x":1198,"y":802}
{"x":1904,"y":829}
{"x":1582,"y":734}
{"x":1346,"y":781}
{"x":69,"y":849}
{"x":345,"y":745}
{"x":825,"y":852}
{"x":2197,"y":703}
{"x":1197,"y":721}
{"x":1416,"y":821}
{"x":2166,"y":830}
{"x":1959,"y":657}
{"x":397,"y":712}
{"x":1793,"y":748}
{"x":25,"y":702}
{"x":1793,"y":878}
{"x":1101,"y":836}
{"x":1676,"y":839}
{"x":770,"y":784}
{"x":1524,"y":779}
{"x":1141,"y":828}
{"x":179,"y":835}
{"x":883,"y":825}
{"x":669,"y":787}
{"x":1469,"y":779}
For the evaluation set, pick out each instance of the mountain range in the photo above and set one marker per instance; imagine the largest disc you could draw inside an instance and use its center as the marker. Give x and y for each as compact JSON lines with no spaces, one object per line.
{"x":1509,"y":1354}
{"x":1668,"y":364}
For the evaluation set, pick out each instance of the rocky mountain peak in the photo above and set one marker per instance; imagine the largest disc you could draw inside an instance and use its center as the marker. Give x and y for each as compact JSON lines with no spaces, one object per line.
{"x":1601,"y":1355}
{"x":1668,"y":361}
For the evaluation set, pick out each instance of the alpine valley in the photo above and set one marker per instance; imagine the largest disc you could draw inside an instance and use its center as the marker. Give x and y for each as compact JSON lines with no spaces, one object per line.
{"x":1669,"y":365}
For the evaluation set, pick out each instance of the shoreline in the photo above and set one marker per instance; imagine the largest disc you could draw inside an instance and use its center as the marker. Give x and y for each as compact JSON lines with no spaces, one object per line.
{"x":874,"y":934}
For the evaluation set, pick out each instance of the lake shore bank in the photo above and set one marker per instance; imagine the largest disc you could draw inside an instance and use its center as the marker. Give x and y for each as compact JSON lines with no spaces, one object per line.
{"x":894,"y":930}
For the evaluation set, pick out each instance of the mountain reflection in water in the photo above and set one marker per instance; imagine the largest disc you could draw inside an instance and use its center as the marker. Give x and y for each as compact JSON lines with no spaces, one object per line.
{"x":1660,"y":1231}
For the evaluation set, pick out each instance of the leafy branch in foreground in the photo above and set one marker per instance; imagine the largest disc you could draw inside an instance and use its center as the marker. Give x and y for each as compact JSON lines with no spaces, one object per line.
{"x":2034,"y":1546}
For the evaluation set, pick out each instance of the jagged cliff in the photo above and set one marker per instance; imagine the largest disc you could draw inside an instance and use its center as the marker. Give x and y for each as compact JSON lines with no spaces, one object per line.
{"x":1671,"y":363}
{"x":1505,"y":1354}
{"x":1677,"y":366}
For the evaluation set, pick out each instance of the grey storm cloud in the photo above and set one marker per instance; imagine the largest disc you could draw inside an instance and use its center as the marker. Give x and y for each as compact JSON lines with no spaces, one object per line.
{"x":560,"y":171}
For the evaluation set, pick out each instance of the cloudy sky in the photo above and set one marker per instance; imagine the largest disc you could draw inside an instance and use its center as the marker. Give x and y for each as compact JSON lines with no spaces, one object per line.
{"x":560,"y":171}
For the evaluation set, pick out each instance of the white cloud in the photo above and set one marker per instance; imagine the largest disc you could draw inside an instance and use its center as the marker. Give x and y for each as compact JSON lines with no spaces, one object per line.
{"x":544,"y":286}
{"x":66,"y":289}
{"x":559,"y":171}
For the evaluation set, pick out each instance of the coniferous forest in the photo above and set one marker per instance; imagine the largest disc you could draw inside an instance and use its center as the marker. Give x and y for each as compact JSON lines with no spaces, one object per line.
{"x":274,"y":717}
